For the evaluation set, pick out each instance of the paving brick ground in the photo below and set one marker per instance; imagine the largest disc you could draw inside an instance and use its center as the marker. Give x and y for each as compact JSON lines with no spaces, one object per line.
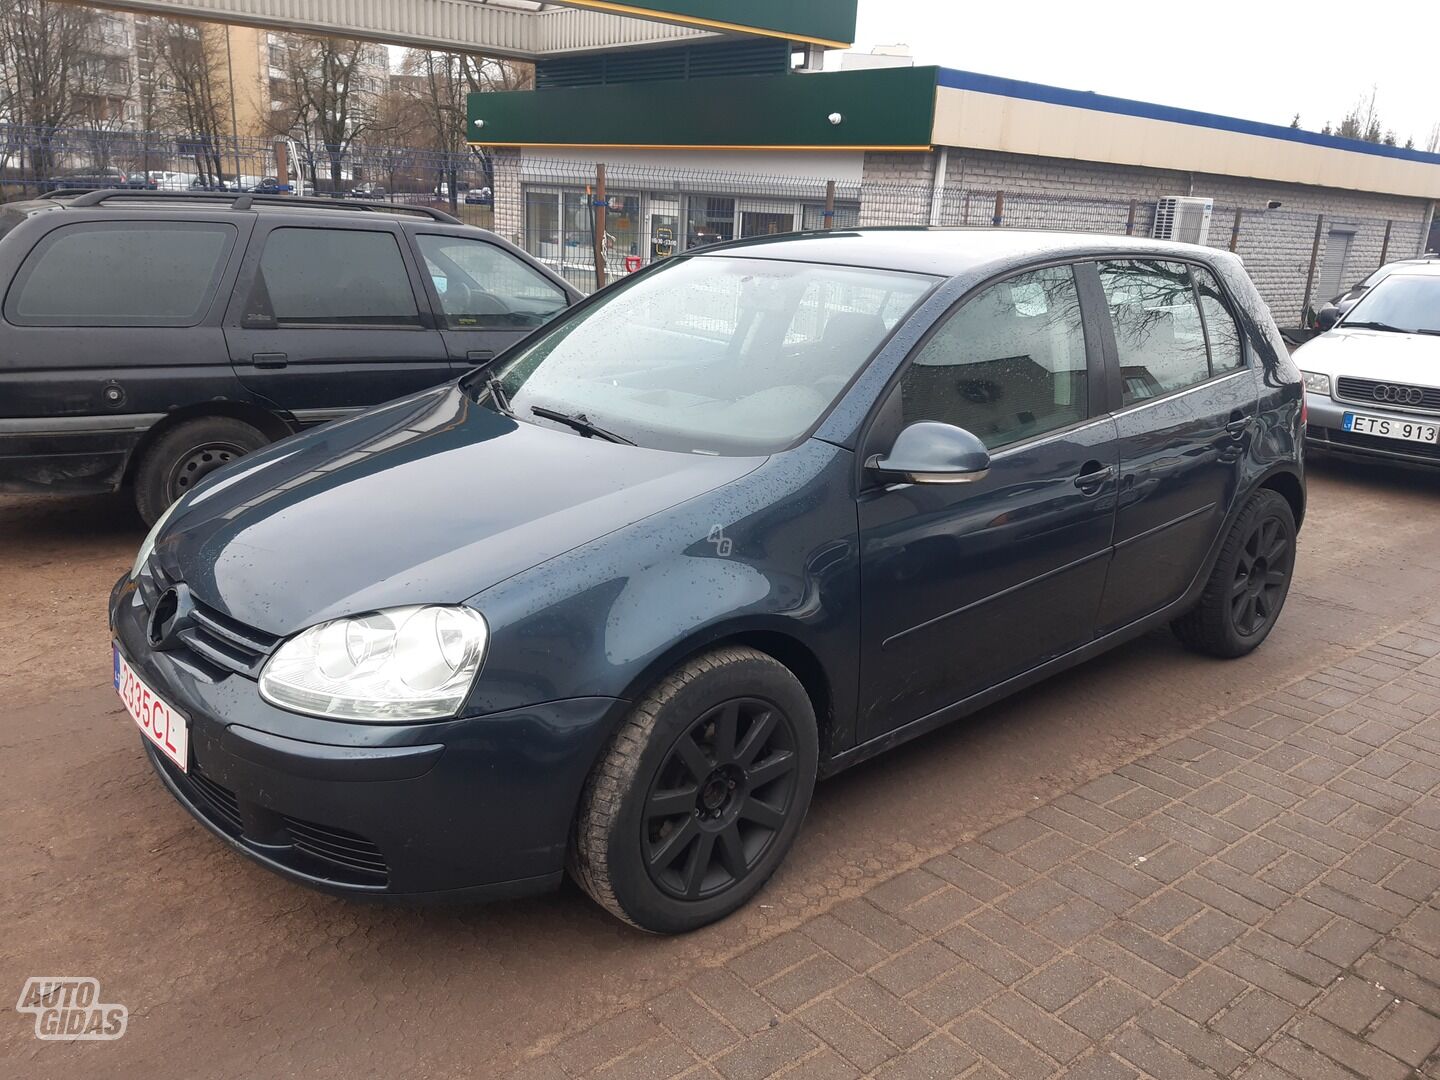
{"x":1260,"y":899}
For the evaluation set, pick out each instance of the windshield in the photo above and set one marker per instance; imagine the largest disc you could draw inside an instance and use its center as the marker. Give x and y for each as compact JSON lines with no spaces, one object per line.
{"x":1409,"y":303}
{"x":713,"y":354}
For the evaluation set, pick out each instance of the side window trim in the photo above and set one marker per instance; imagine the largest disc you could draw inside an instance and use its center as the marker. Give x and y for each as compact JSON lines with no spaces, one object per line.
{"x":257,"y":291}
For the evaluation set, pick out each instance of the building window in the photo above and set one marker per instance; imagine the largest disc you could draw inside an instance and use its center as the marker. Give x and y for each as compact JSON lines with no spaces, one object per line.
{"x":560,"y":231}
{"x":709,"y":221}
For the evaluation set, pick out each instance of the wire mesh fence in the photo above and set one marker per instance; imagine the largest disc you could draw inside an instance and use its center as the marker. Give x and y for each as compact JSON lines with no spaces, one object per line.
{"x":595,"y":221}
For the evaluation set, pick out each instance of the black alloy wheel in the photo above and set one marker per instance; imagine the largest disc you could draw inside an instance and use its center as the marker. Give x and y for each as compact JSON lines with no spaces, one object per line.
{"x":1262,"y":575}
{"x":720,"y":798}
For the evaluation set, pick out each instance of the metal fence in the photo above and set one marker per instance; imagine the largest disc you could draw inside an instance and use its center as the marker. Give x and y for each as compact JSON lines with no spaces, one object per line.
{"x":595,"y":221}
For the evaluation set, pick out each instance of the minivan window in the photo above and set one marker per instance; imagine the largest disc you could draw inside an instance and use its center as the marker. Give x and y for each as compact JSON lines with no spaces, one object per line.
{"x":1226,"y":353}
{"x":1158,"y":332}
{"x":1008,"y":365}
{"x":714,"y":354}
{"x":121,"y":273}
{"x":330,"y":277}
{"x":482,"y":286}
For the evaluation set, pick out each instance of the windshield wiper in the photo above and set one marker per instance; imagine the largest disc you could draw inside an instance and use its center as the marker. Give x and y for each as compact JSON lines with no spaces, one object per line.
{"x":1378,"y":326}
{"x":581,"y":423}
{"x":497,"y":392}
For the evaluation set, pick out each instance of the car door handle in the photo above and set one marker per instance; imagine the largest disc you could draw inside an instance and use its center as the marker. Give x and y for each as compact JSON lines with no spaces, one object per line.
{"x":1094,"y":477}
{"x":1238,"y":428}
{"x":270,"y":359}
{"x":480,"y":356}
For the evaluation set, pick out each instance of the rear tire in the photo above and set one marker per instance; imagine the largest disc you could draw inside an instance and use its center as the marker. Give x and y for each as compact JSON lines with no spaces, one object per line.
{"x":1249,"y":584}
{"x":187,"y":453}
{"x":700,"y":793}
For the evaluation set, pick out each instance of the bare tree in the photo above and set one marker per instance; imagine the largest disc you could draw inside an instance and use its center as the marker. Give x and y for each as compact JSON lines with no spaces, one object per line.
{"x":188,"y":57}
{"x":439,"y":85}
{"x":52,"y":78}
{"x":328,"y":97}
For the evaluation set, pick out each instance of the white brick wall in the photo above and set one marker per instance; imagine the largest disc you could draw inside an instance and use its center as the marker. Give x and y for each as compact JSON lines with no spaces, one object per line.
{"x":1056,"y":193}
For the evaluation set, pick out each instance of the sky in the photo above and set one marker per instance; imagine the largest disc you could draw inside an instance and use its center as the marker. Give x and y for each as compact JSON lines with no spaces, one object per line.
{"x":1246,"y":58}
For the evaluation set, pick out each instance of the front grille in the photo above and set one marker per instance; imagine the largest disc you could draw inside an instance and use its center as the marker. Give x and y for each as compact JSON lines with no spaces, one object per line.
{"x":1373,"y":442}
{"x":219,"y":641}
{"x":1362,"y":392}
{"x":337,"y":846}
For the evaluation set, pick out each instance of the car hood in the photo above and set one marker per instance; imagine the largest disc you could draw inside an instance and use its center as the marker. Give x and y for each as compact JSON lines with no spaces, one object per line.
{"x":1373,"y":354}
{"x":430,"y":499}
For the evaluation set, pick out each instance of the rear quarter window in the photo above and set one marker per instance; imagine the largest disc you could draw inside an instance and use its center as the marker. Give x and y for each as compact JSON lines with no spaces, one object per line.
{"x":121,"y":273}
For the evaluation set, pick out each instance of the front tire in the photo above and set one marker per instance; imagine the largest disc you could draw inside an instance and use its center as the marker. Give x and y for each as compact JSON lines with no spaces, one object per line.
{"x":187,"y":453}
{"x":700,"y":793}
{"x":1249,"y":583}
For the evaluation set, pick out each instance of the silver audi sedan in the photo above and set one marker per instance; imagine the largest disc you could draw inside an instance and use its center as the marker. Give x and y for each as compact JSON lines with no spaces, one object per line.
{"x":1372,"y":384}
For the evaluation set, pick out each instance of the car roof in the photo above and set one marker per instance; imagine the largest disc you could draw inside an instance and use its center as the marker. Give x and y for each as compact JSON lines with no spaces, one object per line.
{"x":947,"y":251}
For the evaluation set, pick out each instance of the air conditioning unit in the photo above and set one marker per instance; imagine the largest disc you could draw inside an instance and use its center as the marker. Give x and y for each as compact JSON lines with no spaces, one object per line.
{"x":1183,"y":218}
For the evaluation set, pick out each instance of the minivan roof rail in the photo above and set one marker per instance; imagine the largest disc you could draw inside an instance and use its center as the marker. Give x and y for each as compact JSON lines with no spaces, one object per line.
{"x":244,"y":201}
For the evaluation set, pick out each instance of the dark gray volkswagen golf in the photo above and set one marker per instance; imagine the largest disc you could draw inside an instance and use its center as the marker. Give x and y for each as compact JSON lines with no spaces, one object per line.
{"x":614,"y":602}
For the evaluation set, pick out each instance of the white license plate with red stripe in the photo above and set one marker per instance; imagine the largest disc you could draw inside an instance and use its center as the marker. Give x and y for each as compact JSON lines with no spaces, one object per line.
{"x":157,"y":720}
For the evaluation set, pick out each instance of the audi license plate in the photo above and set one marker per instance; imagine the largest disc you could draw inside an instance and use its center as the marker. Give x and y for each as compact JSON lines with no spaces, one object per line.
{"x":161,"y":724}
{"x":1388,"y":427}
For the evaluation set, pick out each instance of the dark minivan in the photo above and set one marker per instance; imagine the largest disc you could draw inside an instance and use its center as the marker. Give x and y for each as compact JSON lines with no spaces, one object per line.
{"x":150,"y":337}
{"x":614,"y":602}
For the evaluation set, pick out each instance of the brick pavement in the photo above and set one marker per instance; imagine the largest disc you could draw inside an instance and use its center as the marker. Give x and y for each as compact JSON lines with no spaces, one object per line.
{"x":1259,"y":899}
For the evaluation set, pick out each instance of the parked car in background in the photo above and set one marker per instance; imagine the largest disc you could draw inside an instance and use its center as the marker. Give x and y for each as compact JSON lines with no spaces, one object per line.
{"x":1373,"y":382}
{"x":147,"y":340}
{"x":90,"y":179}
{"x":479,"y":196}
{"x":270,"y":185}
{"x":614,"y":602}
{"x":366,"y":191}
{"x":1331,"y":313}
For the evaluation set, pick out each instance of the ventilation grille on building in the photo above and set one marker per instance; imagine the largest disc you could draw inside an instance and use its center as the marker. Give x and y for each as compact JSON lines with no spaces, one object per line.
{"x":652,"y":65}
{"x":1179,"y":217}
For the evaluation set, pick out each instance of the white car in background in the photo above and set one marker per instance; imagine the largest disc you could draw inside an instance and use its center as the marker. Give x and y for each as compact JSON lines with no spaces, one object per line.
{"x":1372,"y":383}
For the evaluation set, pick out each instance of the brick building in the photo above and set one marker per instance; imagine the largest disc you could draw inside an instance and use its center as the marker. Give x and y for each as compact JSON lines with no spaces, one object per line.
{"x":714,"y":141}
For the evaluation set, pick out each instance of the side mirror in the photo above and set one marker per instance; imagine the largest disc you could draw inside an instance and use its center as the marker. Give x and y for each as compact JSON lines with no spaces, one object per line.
{"x":933,"y":453}
{"x":1329,"y":315}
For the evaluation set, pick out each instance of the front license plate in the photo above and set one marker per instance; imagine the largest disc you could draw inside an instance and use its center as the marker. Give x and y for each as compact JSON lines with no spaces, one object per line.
{"x":1388,"y":427}
{"x":161,"y":724}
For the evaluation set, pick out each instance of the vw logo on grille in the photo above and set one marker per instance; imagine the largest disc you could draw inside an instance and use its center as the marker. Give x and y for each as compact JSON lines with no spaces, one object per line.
{"x":171,"y":615}
{"x":1398,"y":395}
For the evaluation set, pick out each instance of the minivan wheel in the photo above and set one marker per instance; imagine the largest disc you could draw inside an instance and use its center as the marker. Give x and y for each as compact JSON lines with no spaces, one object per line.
{"x":700,"y":793}
{"x":1249,"y":584}
{"x":186,"y":454}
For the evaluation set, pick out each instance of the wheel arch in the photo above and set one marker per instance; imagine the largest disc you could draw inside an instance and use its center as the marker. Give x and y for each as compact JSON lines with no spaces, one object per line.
{"x":1289,"y":485}
{"x":780,"y":644}
{"x":266,"y":422}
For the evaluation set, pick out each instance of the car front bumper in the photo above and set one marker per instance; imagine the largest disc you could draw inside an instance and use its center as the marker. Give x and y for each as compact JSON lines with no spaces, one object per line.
{"x":472,"y":808}
{"x":1325,"y":432}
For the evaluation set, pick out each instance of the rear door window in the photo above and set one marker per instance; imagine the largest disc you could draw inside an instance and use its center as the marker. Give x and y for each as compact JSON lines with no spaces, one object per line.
{"x":1158,"y":332}
{"x":1226,"y":353}
{"x":333,"y":277}
{"x":122,"y":273}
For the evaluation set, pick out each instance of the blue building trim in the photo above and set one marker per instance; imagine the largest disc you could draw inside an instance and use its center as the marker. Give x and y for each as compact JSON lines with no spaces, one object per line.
{"x":1080,"y":99}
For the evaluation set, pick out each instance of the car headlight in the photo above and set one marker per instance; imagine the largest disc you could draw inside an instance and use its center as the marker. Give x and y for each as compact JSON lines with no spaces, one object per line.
{"x":394,"y":666}
{"x":1316,"y":383}
{"x":147,"y":546}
